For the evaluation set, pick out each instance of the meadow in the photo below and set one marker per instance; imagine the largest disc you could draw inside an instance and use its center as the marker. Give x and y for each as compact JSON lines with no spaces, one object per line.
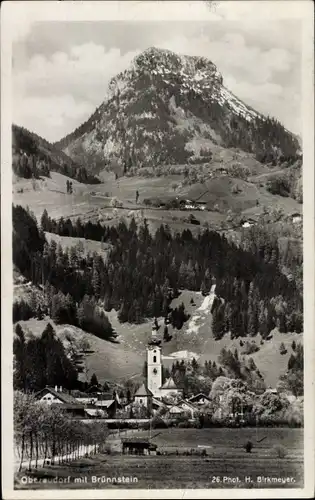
{"x":224,"y":465}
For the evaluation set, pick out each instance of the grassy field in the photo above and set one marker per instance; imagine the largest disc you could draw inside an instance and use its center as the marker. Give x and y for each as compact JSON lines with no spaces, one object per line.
{"x":92,"y":201}
{"x":225,"y":465}
{"x":87,"y":246}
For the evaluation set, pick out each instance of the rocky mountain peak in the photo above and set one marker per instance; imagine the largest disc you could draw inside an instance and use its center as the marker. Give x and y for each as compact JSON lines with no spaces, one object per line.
{"x":168,"y":108}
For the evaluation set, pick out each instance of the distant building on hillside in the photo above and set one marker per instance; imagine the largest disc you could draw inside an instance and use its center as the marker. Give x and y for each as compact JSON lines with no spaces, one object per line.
{"x":296,"y":217}
{"x":247,"y":222}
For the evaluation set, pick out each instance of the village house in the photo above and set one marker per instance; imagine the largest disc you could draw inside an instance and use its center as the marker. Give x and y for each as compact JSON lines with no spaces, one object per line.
{"x":143,"y":396}
{"x":183,"y":408}
{"x":58,"y":396}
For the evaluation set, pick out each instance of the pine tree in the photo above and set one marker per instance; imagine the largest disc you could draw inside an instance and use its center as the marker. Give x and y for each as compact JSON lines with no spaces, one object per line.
{"x":20,"y":359}
{"x":94,"y":381}
{"x":218,"y":323}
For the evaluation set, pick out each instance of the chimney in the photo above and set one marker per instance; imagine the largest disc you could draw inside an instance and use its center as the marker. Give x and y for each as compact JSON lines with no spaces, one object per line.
{"x":56,"y":388}
{"x":60,"y":388}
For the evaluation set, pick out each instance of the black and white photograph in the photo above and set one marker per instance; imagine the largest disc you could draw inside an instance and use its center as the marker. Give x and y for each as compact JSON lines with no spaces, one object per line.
{"x":158,"y":287}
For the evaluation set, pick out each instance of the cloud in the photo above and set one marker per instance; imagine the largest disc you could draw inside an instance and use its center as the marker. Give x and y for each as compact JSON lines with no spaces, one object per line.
{"x":49,"y":115}
{"x":265,"y":78}
{"x":54,"y":93}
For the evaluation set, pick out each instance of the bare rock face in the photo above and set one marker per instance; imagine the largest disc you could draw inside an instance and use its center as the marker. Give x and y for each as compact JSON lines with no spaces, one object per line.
{"x":172,"y":109}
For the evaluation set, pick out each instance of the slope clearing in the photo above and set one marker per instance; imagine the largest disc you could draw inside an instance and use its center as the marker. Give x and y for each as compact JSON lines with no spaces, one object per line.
{"x":124,"y":359}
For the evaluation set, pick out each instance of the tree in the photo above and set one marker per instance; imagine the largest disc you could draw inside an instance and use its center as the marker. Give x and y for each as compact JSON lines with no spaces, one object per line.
{"x":282,"y":348}
{"x":20,"y":359}
{"x":218,"y":326}
{"x":165,"y":334}
{"x":94,"y":381}
{"x":293,"y":345}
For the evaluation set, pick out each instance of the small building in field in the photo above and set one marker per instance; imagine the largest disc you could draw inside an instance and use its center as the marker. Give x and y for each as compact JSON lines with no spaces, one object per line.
{"x":138,"y":447}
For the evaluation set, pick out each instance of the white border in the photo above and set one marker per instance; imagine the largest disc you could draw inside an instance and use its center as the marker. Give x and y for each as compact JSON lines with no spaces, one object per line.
{"x":16,"y":17}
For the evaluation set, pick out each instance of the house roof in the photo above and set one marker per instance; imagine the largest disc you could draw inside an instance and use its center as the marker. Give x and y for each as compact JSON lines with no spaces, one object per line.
{"x":197,"y":397}
{"x":93,"y":412}
{"x":106,"y":403}
{"x":187,"y":403}
{"x":157,"y":402}
{"x":93,"y":389}
{"x":143,"y":391}
{"x":103,"y":396}
{"x":176,"y":409}
{"x":169,"y":384}
{"x":69,"y":406}
{"x":65,"y":397}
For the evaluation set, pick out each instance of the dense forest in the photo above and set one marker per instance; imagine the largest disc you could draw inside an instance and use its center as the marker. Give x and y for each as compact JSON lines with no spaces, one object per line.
{"x":143,"y":272}
{"x":41,"y":361}
{"x":33,"y":157}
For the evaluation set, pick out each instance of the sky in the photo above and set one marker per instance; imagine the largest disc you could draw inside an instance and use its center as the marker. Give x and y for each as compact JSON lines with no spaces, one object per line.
{"x":61,"y":65}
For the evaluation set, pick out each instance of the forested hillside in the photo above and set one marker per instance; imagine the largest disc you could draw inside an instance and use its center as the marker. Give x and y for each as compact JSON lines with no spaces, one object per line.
{"x":33,"y":156}
{"x":143,"y":272}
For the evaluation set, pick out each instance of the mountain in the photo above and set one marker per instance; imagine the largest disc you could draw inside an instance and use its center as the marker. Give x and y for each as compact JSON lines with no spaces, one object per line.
{"x":33,"y":156}
{"x":174,"y":109}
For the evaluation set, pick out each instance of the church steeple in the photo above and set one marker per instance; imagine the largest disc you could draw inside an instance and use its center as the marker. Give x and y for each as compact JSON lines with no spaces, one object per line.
{"x":154,"y":363}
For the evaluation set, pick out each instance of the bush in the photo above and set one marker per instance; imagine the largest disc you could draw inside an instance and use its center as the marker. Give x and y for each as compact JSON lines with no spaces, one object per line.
{"x":279,"y":185}
{"x":108,"y":449}
{"x":158,"y":423}
{"x":250,"y":348}
{"x":248,"y":446}
{"x":280,"y":451}
{"x":115,"y":203}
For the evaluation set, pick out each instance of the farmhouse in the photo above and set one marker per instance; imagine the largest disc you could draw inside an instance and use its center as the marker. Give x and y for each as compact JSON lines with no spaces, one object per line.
{"x":57,"y":396}
{"x":183,"y":408}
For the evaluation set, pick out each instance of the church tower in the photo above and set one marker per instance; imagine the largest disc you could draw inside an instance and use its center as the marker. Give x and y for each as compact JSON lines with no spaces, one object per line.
{"x":154,"y":380}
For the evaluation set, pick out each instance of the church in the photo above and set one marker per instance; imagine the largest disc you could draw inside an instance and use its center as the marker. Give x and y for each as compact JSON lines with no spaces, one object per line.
{"x":154,"y":372}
